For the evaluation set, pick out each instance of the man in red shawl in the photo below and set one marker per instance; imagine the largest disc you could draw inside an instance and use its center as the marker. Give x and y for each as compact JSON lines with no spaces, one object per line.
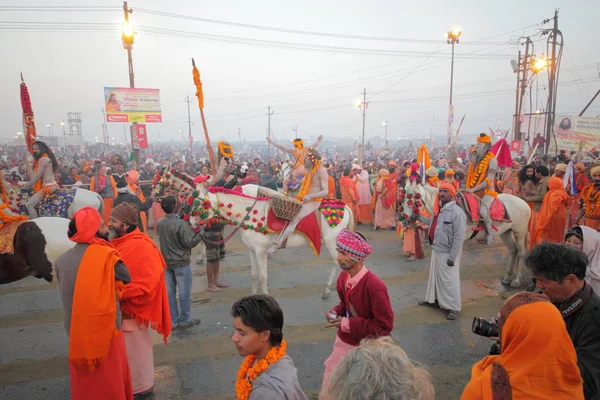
{"x":144,"y":301}
{"x":91,"y":277}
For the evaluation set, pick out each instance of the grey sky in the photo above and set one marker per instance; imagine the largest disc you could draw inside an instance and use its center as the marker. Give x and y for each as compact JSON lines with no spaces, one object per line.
{"x":313,"y":90}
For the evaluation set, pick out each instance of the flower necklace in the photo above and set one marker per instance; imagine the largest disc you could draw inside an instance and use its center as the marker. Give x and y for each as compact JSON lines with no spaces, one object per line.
{"x":433,"y":181}
{"x":591,"y":200}
{"x":249,"y":372}
{"x":477,"y":174}
{"x":307,"y":181}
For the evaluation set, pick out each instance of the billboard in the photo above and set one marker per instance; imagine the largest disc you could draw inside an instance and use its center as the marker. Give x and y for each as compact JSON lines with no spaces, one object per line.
{"x":132,"y":105}
{"x":572,"y":132}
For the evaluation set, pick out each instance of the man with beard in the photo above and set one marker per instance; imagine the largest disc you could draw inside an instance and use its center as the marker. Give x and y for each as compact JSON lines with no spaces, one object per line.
{"x":590,"y":197}
{"x":535,"y":201}
{"x":91,"y":276}
{"x":144,"y":300}
{"x":480,"y":178}
{"x":365,"y":310}
{"x":42,"y":178}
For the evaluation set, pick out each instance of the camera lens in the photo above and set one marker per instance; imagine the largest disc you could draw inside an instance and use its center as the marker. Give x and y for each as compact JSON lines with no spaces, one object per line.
{"x":483,"y":327}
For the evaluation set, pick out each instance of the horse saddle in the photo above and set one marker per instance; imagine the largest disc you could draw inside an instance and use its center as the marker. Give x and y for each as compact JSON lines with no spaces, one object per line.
{"x":307,"y":227}
{"x":470,"y":204}
{"x":56,"y":204}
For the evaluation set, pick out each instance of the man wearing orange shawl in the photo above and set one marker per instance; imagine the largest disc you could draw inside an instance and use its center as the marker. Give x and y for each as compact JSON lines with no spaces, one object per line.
{"x":552,"y":218}
{"x":91,"y":277}
{"x":132,"y":178}
{"x":349,"y":192}
{"x":386,"y":193}
{"x":581,"y":181}
{"x":524,"y":371}
{"x":590,"y":202}
{"x":144,"y":301}
{"x":106,"y":187}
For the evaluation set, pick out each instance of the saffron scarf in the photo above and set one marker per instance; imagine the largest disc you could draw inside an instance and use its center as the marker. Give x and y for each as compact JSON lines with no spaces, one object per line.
{"x":346,"y":181}
{"x":553,"y":212}
{"x":39,"y":184}
{"x":145,"y":297}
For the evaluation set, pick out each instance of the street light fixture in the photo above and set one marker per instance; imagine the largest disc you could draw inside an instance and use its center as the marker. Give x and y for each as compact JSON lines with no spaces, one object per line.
{"x":539,"y":64}
{"x":386,"y":139}
{"x":452,"y":37}
{"x":127,"y":37}
{"x":363,"y":105}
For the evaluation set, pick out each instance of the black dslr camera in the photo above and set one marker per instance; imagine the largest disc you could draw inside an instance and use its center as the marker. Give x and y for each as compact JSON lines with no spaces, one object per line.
{"x":484,"y":327}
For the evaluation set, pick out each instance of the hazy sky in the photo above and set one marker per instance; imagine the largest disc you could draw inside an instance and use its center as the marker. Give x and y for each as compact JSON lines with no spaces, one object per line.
{"x":315,"y":90}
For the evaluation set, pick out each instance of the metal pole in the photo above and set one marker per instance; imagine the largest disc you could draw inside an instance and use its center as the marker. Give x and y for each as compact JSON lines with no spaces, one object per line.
{"x":516,"y":133}
{"x":589,"y":104}
{"x":386,"y":140}
{"x":525,"y":68}
{"x":269,"y":113}
{"x":450,"y":110}
{"x":190,"y":140}
{"x":134,"y":144}
{"x":551,"y":81}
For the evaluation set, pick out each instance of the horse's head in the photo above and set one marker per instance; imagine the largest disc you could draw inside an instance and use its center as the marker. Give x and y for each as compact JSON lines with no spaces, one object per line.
{"x":172,"y":182}
{"x":198,"y":208}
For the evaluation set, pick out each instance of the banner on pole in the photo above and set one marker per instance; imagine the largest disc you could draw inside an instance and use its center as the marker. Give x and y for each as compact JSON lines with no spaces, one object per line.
{"x":142,"y":136}
{"x":132,"y":105}
{"x":515,"y":146}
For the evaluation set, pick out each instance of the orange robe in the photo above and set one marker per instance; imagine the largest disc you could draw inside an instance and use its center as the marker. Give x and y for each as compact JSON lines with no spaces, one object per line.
{"x":591,"y":217}
{"x":331,"y":187}
{"x":108,"y":201}
{"x":552,"y":219}
{"x":349,"y":194}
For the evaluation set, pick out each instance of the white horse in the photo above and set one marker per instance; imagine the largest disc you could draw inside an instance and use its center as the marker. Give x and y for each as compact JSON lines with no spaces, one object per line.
{"x":81,"y":198}
{"x":513,"y":234}
{"x":37,"y":244}
{"x":234,"y":206}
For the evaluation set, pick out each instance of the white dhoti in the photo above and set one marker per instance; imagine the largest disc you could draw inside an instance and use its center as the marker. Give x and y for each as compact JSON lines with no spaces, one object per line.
{"x":443,"y":284}
{"x":139,"y":355}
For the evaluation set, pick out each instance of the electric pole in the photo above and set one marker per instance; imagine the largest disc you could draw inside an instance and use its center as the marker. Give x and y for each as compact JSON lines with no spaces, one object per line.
{"x":190,"y":138}
{"x":296,"y":131}
{"x":127,"y":38}
{"x":363,"y":107}
{"x":104,"y":127}
{"x":523,"y":67}
{"x":551,"y":109}
{"x":269,"y":113}
{"x":239,"y":133}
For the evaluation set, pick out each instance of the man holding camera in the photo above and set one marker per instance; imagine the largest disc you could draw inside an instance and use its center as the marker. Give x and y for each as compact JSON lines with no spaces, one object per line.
{"x":559,"y":272}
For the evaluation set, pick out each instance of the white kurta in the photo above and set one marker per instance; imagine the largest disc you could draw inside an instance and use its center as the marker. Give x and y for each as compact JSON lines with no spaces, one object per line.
{"x":443,"y":284}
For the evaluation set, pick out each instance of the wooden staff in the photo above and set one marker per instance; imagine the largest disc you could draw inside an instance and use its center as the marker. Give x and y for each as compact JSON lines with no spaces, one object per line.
{"x":533,"y":153}
{"x":455,"y":144}
{"x":200,"y":96}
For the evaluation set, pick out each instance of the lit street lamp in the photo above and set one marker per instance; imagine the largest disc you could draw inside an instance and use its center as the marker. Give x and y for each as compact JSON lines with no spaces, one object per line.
{"x":452,"y":38}
{"x":539,"y":64}
{"x":51,"y":129}
{"x":386,"y":141}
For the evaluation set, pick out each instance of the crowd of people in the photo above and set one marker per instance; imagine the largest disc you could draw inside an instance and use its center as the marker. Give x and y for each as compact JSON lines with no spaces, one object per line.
{"x":119,"y":282}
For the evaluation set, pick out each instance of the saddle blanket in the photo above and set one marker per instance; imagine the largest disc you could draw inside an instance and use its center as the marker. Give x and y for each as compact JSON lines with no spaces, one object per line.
{"x":307,"y":227}
{"x":497,"y":211}
{"x":57,"y":204}
{"x":7,"y":236}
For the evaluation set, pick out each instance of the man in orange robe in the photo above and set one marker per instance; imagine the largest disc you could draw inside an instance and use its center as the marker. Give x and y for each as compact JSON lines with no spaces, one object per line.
{"x":106,"y":187}
{"x":349,"y":192}
{"x":144,"y":300}
{"x":590,"y":202}
{"x":581,"y":181}
{"x":552,"y":217}
{"x":91,"y":277}
{"x":449,"y":174}
{"x":535,"y":200}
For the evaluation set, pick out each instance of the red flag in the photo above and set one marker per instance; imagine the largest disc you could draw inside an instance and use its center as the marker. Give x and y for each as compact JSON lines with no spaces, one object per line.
{"x":28,"y":122}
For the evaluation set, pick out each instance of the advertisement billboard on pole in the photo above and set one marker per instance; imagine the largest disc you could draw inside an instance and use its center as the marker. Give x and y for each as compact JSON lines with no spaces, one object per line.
{"x":572,"y":132}
{"x":132,"y":105}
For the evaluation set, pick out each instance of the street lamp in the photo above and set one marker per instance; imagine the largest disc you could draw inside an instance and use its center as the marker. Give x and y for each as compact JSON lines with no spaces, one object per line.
{"x":363,"y":105}
{"x":539,"y":64}
{"x":127,"y":37}
{"x":452,"y":37}
{"x":51,"y":129}
{"x":386,"y":141}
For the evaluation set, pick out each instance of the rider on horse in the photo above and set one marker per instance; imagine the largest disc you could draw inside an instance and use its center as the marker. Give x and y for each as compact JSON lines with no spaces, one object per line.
{"x":298,"y":152}
{"x":42,"y":177}
{"x":314,"y":188}
{"x":482,"y":172}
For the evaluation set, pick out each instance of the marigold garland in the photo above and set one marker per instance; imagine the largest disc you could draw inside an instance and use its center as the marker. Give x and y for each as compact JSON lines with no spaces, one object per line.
{"x":433,"y":181}
{"x":307,"y":181}
{"x":249,"y":371}
{"x":591,"y":200}
{"x":477,"y":175}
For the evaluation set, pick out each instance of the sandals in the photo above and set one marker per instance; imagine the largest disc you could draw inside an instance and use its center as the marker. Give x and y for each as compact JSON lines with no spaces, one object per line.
{"x":452,"y":315}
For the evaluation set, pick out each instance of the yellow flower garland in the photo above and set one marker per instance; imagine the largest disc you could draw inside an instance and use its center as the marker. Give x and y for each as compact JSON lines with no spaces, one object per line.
{"x":591,"y":201}
{"x":249,"y":371}
{"x":307,"y":181}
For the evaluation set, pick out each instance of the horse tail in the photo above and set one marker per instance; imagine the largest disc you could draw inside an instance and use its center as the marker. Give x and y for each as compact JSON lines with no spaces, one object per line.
{"x":352,"y":223}
{"x":30,"y":245}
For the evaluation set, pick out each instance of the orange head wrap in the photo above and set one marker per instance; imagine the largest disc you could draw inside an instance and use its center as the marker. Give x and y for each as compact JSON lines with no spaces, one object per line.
{"x":132,"y":177}
{"x":484,"y":138}
{"x":449,"y":173}
{"x":87,"y":221}
{"x":580,"y":167}
{"x":447,"y":186}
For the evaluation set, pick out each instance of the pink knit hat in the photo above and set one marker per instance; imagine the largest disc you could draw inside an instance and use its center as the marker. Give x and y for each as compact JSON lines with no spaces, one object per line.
{"x":354,"y":244}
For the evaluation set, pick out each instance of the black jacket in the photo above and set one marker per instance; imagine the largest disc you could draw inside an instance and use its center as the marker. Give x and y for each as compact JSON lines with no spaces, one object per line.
{"x":583,"y":326}
{"x":133,"y":199}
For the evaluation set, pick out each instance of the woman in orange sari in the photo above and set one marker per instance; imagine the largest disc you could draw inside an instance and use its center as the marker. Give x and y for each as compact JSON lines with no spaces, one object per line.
{"x":524,"y":370}
{"x":552,"y":219}
{"x":386,"y":193}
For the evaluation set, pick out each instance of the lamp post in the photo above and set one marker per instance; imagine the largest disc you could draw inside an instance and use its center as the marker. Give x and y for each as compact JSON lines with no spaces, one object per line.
{"x":385,"y":141}
{"x":62,"y":125}
{"x":452,"y":39}
{"x":51,"y":129}
{"x":127,"y":38}
{"x":363,"y":108}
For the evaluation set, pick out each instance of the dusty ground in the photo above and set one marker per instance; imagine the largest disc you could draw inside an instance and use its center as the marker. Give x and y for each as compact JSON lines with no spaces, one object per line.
{"x":33,"y":345}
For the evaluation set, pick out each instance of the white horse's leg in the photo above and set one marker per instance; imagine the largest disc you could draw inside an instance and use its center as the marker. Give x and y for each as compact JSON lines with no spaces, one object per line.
{"x":253,"y":270}
{"x":334,"y":269}
{"x":509,"y":242}
{"x":261,"y":264}
{"x":520,"y":242}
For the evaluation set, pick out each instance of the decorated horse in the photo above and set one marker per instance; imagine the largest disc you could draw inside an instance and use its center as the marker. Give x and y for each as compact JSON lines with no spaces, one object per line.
{"x":510,"y":218}
{"x":30,"y":247}
{"x":170,"y":182}
{"x":62,"y":203}
{"x":251,"y":212}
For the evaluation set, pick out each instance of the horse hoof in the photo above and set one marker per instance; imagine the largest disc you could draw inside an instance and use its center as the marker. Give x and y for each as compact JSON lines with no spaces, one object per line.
{"x":515,"y":284}
{"x":506,"y":282}
{"x":325,"y":294}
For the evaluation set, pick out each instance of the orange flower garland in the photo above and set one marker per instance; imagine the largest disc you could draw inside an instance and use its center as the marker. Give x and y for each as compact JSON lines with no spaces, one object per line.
{"x":434,"y":181}
{"x":591,"y":201}
{"x":476,"y":175}
{"x":4,"y":217}
{"x":248,"y":373}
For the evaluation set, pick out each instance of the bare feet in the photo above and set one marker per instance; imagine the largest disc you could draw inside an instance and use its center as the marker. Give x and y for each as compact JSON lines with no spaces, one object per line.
{"x":214,"y":289}
{"x":222,"y":285}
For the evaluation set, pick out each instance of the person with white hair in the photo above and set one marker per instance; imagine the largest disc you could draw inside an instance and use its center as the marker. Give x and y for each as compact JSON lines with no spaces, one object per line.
{"x":378,"y":369}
